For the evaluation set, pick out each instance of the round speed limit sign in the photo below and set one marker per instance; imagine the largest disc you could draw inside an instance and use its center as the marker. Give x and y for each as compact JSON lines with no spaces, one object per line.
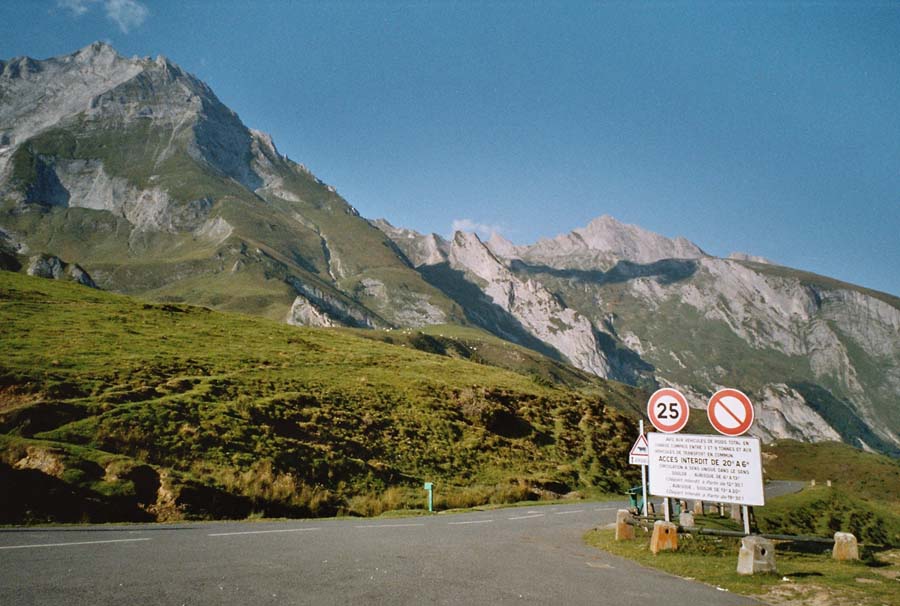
{"x":668,"y":410}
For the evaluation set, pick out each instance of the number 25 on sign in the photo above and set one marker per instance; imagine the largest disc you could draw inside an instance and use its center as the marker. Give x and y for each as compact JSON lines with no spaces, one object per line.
{"x":668,"y":410}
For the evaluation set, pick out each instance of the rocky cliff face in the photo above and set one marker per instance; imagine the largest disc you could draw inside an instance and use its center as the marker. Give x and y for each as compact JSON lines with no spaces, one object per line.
{"x":820,"y":358}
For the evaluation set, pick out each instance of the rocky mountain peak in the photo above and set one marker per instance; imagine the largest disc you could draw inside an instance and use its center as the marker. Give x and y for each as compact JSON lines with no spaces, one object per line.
{"x":741,"y":256}
{"x":502,"y":247}
{"x":604,"y":242}
{"x":96,"y":52}
{"x":634,"y":243}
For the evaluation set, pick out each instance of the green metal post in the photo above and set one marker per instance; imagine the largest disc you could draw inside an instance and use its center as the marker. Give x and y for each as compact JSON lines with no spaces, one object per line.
{"x":430,"y":488}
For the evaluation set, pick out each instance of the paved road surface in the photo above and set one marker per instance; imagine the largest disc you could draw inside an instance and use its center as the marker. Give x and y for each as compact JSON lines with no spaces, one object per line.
{"x":508,"y":556}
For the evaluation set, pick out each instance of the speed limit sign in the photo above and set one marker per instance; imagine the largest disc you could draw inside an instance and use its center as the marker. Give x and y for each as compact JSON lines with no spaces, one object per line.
{"x":668,"y":410}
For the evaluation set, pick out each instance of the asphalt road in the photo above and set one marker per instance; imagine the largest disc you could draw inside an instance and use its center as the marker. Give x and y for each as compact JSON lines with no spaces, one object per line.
{"x":508,"y":556}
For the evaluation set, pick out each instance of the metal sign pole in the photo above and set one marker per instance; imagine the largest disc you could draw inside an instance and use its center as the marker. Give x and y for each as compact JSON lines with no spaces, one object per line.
{"x":746,"y":512}
{"x":429,"y":486}
{"x":644,"y":475}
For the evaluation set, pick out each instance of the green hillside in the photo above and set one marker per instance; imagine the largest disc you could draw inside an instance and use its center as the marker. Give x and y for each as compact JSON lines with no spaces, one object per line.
{"x":864,"y":497}
{"x":117,"y":409}
{"x":867,"y":475}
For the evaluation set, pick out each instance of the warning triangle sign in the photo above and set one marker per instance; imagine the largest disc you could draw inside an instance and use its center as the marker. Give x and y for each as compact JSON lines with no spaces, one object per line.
{"x":640,"y":452}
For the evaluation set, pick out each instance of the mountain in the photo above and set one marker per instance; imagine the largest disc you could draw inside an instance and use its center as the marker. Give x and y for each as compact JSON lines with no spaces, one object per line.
{"x":133,"y":172}
{"x":133,"y":169}
{"x":820,"y":358}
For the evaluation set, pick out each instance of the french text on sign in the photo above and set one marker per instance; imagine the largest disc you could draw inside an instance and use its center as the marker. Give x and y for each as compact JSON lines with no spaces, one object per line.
{"x":706,"y":468}
{"x":668,"y":410}
{"x":730,"y":412}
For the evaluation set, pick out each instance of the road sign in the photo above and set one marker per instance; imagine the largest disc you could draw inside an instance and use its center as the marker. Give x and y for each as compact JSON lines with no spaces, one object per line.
{"x":730,"y":412}
{"x":706,"y":468}
{"x":668,"y":410}
{"x":640,"y":452}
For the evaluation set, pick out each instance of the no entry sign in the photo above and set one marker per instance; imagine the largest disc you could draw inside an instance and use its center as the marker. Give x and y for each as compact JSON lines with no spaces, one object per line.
{"x":730,"y":412}
{"x":668,"y":410}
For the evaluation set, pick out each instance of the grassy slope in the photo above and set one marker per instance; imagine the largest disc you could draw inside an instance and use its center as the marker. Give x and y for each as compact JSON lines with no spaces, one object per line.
{"x":864,"y":498}
{"x":134,"y":409}
{"x":867,"y":475}
{"x":477,"y":345}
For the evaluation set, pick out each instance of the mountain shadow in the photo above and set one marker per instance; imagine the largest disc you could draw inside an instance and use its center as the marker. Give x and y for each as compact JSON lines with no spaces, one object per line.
{"x":666,"y":271}
{"x":627,"y":366}
{"x":840,"y":415}
{"x":481,"y":311}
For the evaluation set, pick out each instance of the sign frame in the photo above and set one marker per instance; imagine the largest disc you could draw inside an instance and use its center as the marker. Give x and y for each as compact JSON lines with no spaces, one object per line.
{"x":656,"y":414}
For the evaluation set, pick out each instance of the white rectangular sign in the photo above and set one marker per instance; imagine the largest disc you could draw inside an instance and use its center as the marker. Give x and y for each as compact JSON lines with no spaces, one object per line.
{"x":706,"y":468}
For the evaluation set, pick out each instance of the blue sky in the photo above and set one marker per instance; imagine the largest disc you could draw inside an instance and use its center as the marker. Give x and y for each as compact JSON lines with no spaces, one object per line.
{"x":767,"y":128}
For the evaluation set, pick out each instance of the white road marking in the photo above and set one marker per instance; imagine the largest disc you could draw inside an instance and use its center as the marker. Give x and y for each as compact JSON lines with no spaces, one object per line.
{"x":537,"y":515}
{"x":471,"y":522}
{"x":231,"y":534}
{"x":565,"y":513}
{"x":74,"y":543}
{"x":387,"y":525}
{"x":606,"y":509}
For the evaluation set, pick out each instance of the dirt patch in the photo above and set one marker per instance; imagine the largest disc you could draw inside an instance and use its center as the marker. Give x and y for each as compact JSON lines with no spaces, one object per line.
{"x":43,"y":460}
{"x":12,"y":397}
{"x":165,"y":508}
{"x":791,"y":594}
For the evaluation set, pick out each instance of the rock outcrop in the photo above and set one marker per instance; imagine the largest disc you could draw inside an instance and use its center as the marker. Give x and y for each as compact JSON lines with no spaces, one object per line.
{"x":54,"y":268}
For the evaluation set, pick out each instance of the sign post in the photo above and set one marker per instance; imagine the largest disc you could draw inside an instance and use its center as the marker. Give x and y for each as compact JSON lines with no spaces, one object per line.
{"x":640,"y":455}
{"x":731,"y":414}
{"x":668,"y":411}
{"x":430,"y":488}
{"x":701,"y":467}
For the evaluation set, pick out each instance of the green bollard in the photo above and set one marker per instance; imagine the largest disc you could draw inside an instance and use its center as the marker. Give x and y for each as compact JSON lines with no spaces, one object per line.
{"x":430,"y":488}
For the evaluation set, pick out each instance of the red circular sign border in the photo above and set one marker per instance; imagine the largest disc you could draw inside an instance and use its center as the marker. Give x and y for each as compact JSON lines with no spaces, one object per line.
{"x":742,"y":397}
{"x":668,"y":391}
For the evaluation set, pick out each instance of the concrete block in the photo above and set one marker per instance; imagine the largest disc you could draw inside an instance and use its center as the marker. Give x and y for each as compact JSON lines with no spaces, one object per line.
{"x":757,"y":556}
{"x":624,"y":529}
{"x":665,"y":537}
{"x":845,"y":547}
{"x":686,"y":518}
{"x":736,"y":512}
{"x":698,"y":508}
